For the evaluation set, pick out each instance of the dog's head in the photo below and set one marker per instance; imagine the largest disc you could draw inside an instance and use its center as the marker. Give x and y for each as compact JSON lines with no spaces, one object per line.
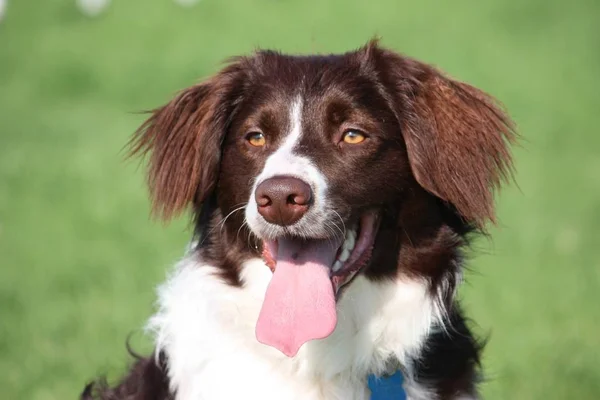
{"x":325,"y":162}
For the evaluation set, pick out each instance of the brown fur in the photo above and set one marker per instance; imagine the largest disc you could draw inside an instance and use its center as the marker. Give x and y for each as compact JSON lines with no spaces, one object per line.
{"x":436,"y":152}
{"x":184,"y":139}
{"x":457,"y":136}
{"x":146,"y":380}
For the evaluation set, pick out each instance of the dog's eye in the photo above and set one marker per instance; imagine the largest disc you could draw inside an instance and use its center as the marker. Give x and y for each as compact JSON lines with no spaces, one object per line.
{"x":256,"y":139}
{"x":352,"y":136}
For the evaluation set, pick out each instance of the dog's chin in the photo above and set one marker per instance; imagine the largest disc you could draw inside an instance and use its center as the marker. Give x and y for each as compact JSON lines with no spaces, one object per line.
{"x":352,"y":252}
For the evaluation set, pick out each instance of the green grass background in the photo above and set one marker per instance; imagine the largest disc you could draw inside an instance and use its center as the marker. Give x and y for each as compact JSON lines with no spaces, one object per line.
{"x":80,"y":257}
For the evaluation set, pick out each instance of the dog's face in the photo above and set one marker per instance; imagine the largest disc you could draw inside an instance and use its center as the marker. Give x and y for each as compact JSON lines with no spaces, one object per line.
{"x":321,"y":161}
{"x":304,"y":148}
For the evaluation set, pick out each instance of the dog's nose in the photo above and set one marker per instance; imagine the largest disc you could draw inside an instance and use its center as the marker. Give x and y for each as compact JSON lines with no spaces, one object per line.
{"x":283,"y":200}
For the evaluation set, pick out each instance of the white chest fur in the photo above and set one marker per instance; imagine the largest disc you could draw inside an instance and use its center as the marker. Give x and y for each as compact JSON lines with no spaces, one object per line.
{"x":206,"y":328}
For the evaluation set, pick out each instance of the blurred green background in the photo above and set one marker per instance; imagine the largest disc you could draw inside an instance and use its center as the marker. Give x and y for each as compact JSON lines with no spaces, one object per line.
{"x":80,"y":257}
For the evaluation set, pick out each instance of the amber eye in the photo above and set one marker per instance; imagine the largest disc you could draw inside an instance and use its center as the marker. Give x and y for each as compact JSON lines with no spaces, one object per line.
{"x":256,"y":139}
{"x":353,"y":136}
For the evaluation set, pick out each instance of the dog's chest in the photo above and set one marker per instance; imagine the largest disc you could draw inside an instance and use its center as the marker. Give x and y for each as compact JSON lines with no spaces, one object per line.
{"x":206,"y":329}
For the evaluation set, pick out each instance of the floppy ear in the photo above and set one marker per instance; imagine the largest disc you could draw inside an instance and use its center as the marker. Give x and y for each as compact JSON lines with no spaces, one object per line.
{"x":183,"y":139}
{"x":457,"y":137}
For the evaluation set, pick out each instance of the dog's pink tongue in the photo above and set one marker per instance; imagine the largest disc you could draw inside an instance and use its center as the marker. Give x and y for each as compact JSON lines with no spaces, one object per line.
{"x":299,"y":304}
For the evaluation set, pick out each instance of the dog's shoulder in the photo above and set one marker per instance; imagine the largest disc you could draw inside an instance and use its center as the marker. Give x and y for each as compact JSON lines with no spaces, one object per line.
{"x":146,"y":380}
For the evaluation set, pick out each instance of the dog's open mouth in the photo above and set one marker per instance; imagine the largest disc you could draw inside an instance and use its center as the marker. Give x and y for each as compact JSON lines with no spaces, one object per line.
{"x":300,"y":302}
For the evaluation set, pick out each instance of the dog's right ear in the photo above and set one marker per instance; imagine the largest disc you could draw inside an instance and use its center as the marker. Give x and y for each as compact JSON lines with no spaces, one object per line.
{"x":183,"y":139}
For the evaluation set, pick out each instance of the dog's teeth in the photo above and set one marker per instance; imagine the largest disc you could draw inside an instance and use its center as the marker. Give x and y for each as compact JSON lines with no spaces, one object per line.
{"x":345,"y":255}
{"x":347,"y":248}
{"x":351,"y":233}
{"x":349,"y":242}
{"x":337,"y":265}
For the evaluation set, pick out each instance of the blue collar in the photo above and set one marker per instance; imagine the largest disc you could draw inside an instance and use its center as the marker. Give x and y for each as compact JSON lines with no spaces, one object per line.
{"x":387,"y":388}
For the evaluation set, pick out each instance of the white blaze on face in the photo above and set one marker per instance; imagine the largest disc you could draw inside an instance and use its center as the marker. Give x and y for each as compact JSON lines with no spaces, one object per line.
{"x":285,"y":161}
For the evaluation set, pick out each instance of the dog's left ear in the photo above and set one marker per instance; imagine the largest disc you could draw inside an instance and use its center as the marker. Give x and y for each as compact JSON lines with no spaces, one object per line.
{"x":457,"y":137}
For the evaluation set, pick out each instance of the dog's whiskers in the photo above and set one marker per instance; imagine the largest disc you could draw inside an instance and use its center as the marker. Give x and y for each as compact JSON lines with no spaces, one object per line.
{"x":222,"y":222}
{"x":342,"y":221}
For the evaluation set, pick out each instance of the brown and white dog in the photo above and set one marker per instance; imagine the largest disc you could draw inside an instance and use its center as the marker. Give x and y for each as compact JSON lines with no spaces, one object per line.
{"x":333,"y":195}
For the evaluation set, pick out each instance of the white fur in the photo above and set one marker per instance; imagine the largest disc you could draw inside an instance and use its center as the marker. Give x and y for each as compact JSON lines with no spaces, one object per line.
{"x":206,"y":328}
{"x":418,"y":392}
{"x":284,"y":161}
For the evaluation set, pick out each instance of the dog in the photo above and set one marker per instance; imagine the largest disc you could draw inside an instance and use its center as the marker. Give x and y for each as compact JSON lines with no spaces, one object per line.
{"x":333,"y":198}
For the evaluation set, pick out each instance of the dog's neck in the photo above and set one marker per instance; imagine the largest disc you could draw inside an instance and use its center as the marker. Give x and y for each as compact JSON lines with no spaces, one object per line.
{"x":206,"y":329}
{"x":209,"y":308}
